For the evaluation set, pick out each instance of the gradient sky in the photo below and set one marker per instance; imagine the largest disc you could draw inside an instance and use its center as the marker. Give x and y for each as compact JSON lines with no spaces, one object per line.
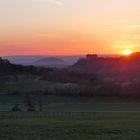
{"x":69,"y":27}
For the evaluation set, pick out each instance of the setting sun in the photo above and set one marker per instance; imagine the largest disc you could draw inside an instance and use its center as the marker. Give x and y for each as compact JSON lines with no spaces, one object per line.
{"x":127,"y":52}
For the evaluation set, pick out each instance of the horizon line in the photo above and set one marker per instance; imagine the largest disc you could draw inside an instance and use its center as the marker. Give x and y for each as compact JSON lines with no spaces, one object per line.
{"x":57,"y":55}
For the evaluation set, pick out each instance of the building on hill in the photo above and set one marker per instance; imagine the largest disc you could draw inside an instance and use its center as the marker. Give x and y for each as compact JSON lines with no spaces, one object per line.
{"x":91,"y":57}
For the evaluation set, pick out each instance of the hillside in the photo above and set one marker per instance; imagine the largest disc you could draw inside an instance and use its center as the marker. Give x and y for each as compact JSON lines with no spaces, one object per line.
{"x":124,"y":67}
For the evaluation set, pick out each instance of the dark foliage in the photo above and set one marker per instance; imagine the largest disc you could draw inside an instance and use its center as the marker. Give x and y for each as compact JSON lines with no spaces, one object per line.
{"x":16,"y":108}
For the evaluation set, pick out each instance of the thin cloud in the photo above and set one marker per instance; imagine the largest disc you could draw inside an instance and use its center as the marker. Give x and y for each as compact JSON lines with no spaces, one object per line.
{"x":56,"y":2}
{"x":132,"y":26}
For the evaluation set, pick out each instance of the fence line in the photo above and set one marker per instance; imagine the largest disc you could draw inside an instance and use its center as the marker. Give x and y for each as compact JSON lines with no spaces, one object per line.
{"x":12,"y":115}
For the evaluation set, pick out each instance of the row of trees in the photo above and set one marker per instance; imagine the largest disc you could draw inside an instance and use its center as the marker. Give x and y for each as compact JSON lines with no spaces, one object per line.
{"x":79,"y":90}
{"x":67,"y":76}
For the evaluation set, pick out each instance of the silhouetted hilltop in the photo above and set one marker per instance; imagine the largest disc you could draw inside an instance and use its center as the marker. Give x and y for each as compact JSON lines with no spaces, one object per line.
{"x":5,"y":65}
{"x":121,"y":67}
{"x":135,"y":55}
{"x":4,"y":61}
{"x":50,"y":62}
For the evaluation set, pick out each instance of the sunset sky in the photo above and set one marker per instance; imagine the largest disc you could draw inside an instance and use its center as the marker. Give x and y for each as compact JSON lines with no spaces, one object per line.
{"x":69,"y":27}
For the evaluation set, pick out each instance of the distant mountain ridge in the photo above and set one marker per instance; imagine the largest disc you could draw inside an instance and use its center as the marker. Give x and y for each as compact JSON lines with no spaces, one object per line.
{"x":29,"y":60}
{"x":50,"y":61}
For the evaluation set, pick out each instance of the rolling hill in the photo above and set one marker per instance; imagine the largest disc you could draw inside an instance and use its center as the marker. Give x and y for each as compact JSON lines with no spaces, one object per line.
{"x":124,"y":67}
{"x":50,"y":62}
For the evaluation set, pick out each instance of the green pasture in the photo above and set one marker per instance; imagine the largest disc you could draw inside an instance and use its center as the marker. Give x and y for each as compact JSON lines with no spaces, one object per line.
{"x":95,"y":126}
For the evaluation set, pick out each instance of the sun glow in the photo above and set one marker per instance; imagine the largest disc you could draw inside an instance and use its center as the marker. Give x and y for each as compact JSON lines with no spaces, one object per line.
{"x":127,"y":52}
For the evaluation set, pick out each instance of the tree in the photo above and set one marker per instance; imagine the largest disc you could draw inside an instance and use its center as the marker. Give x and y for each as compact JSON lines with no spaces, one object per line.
{"x":33,"y":101}
{"x":29,"y":102}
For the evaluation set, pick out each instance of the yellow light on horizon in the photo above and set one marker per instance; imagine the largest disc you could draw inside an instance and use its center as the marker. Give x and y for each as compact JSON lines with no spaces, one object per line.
{"x":127,"y":52}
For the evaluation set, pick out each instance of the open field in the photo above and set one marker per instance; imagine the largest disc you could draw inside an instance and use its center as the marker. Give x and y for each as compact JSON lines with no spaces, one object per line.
{"x":97,"y":126}
{"x":71,"y":118}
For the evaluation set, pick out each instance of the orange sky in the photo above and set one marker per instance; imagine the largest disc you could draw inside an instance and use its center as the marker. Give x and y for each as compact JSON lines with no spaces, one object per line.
{"x":69,"y":27}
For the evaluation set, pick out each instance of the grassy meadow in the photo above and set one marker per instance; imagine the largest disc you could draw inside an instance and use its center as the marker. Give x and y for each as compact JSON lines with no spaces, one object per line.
{"x":71,"y":118}
{"x":97,"y":126}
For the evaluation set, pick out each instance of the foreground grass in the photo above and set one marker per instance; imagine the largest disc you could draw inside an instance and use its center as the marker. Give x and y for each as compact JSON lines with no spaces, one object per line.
{"x":98,"y":126}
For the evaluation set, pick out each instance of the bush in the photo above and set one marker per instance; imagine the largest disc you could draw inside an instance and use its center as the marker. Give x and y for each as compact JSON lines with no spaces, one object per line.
{"x":16,"y":108}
